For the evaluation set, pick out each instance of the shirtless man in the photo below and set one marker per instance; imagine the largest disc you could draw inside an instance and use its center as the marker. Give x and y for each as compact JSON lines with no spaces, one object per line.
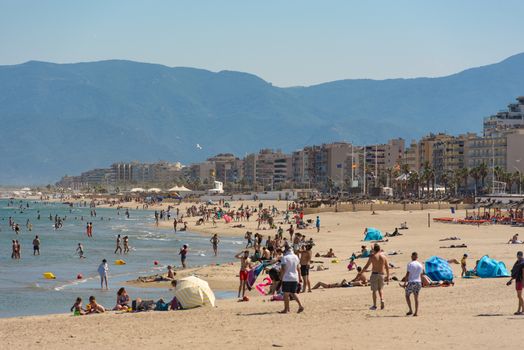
{"x":244,"y":269}
{"x":118,"y":244}
{"x":305,"y":260}
{"x":379,"y":267}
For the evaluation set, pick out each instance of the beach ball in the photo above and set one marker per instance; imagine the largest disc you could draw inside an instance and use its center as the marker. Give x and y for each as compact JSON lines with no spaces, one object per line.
{"x":79,"y":276}
{"x":155,"y":262}
{"x":245,"y":298}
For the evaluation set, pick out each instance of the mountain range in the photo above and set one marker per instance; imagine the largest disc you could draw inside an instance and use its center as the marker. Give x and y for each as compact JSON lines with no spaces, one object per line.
{"x":67,"y":118}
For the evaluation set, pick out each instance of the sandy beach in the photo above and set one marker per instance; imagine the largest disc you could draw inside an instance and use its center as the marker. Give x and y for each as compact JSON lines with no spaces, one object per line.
{"x":475,"y":313}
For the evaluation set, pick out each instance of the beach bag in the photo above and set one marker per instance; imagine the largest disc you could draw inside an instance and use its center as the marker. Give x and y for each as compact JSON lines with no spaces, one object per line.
{"x":161,"y":306}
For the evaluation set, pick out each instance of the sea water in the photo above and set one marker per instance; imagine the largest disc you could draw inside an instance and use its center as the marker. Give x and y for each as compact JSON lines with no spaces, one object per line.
{"x":24,"y":291}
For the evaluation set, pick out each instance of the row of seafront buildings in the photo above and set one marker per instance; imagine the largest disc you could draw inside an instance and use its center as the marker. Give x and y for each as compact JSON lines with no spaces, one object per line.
{"x":339,"y":165}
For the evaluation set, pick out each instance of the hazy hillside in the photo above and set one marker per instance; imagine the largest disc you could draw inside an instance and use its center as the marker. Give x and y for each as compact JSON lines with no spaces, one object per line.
{"x":66,"y":118}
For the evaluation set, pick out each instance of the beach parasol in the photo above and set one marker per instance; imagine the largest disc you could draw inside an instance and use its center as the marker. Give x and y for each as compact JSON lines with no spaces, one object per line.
{"x":154,"y":190}
{"x":137,"y":189}
{"x":193,"y":292}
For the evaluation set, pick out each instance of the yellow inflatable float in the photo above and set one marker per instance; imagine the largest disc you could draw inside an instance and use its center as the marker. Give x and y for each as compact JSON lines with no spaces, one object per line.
{"x":120,"y":262}
{"x":49,"y":275}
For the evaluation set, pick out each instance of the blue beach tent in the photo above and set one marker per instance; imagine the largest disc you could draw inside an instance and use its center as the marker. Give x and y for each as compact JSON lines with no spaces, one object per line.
{"x":438,"y":269}
{"x":373,"y":234}
{"x":491,"y":268}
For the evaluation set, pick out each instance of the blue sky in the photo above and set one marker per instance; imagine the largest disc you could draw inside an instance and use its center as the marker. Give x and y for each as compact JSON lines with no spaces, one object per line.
{"x":286,"y":42}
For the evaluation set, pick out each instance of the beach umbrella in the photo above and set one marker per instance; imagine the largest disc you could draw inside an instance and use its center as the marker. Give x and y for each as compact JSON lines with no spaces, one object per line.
{"x":154,"y":190}
{"x":137,"y":189}
{"x":193,"y":292}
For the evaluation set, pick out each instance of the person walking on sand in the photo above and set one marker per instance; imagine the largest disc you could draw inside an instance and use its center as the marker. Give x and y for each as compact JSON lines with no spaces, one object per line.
{"x":379,"y":268}
{"x":118,"y":244}
{"x":317,"y":224}
{"x":245,"y":265}
{"x":175,"y":223}
{"x":103,"y":270}
{"x":36,"y":245}
{"x":290,"y":277}
{"x":413,"y":283}
{"x":517,"y":274}
{"x":214,"y":241}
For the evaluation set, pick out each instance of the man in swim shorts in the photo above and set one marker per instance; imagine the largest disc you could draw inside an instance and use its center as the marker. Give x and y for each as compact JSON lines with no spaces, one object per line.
{"x":379,"y":268}
{"x":413,"y":283}
{"x":244,"y":269}
{"x":305,"y":260}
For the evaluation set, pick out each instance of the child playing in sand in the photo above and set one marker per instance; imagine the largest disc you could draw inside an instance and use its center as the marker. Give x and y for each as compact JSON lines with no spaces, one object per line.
{"x":77,"y":309}
{"x":463,"y":265}
{"x":93,"y":307}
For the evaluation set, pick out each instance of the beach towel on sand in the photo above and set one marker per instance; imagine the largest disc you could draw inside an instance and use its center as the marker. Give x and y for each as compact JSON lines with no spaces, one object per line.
{"x":373,"y":234}
{"x":438,"y":269}
{"x":253,"y":274}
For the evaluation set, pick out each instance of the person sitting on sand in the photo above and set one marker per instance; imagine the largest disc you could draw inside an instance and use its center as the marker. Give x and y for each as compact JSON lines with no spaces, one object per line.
{"x":174,"y":304}
{"x":352,"y":264}
{"x":515,"y":239}
{"x":93,"y":307}
{"x":77,"y":308}
{"x":122,"y":300}
{"x":329,"y":254}
{"x":404,"y":225}
{"x":360,"y":279}
{"x":364,"y":253}
{"x":394,"y":233}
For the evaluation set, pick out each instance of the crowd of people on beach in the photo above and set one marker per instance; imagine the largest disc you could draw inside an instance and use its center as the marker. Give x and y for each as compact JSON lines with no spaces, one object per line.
{"x":278,"y":248}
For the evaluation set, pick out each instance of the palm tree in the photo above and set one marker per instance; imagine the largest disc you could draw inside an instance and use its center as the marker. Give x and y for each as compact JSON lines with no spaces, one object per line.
{"x":414,"y":182}
{"x":457,"y":179}
{"x":446,"y":179}
{"x":483,"y":172}
{"x":404,"y":169}
{"x":464,"y":173}
{"x":475,"y":174}
{"x":428,"y":175}
{"x":498,"y":172}
{"x":518,"y":179}
{"x":509,"y":180}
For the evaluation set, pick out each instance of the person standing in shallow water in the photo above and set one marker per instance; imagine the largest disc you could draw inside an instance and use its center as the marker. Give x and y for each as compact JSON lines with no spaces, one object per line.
{"x":36,"y":246}
{"x":118,"y":244}
{"x":214,"y":241}
{"x":103,"y":270}
{"x":183,"y":255}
